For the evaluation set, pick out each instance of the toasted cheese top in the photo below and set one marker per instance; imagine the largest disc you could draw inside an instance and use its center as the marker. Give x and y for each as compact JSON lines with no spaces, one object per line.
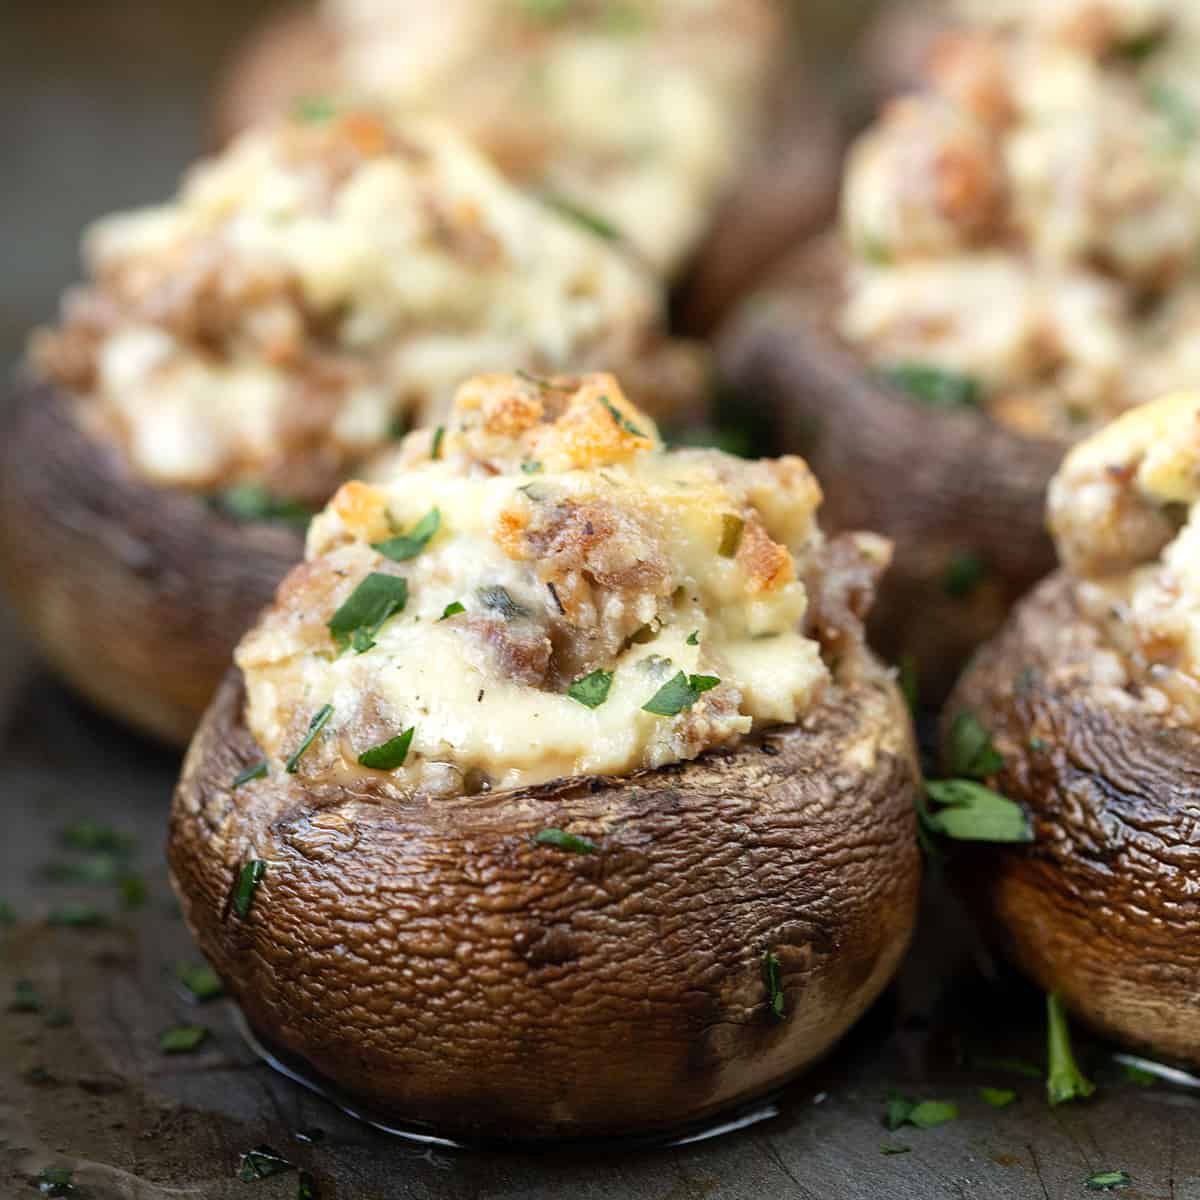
{"x":319,"y":283}
{"x":1124,"y":510}
{"x":1031,"y":219}
{"x":566,"y":598}
{"x":638,"y":112}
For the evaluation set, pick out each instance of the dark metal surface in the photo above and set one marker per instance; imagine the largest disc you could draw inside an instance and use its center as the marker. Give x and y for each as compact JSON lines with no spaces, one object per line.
{"x":97,"y":1095}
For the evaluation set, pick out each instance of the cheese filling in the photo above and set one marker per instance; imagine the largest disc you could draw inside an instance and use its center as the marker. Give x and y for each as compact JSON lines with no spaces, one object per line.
{"x":1031,"y":220}
{"x":573,"y":600}
{"x":316,"y":286}
{"x":1124,"y":510}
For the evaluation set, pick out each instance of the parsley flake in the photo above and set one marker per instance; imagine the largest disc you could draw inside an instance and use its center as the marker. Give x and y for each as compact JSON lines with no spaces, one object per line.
{"x":314,"y":109}
{"x":963,"y":574}
{"x":435,"y":446}
{"x":452,"y":610}
{"x":246,"y":502}
{"x":182,"y":1039}
{"x":246,"y":887}
{"x":315,"y":726}
{"x":620,"y":419}
{"x":256,"y":770}
{"x":923,"y":1114}
{"x":1064,"y":1080}
{"x":591,"y":690}
{"x":498,"y":600}
{"x":56,"y":1181}
{"x":1108,"y":1181}
{"x":586,"y":218}
{"x":774,"y":985}
{"x":25,"y":998}
{"x":557,"y":839}
{"x":997,"y":1097}
{"x":390,"y":754}
{"x":971,"y":812}
{"x":679,"y":693}
{"x":409,"y":545}
{"x":261,"y":1163}
{"x":88,"y":835}
{"x":731,"y":535}
{"x":200,"y":980}
{"x":375,"y":601}
{"x":694,"y":638}
{"x":76,"y":916}
{"x":971,"y":754}
{"x":935,"y":386}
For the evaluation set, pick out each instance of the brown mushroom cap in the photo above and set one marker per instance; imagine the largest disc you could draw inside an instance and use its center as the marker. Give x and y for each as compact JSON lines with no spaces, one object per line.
{"x":136,"y":594}
{"x":1102,"y":905}
{"x":433,"y":962}
{"x":941,"y":485}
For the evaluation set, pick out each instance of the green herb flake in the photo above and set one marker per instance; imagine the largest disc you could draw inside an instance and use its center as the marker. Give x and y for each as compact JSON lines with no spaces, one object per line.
{"x":56,"y":1181}
{"x":774,"y":985}
{"x":971,"y":812}
{"x":95,"y":870}
{"x":89,"y":835}
{"x":200,"y":980}
{"x":997,"y":1097}
{"x":1013,"y":1066}
{"x":25,"y":998}
{"x":895,"y":1114}
{"x":584,"y":217}
{"x":619,"y":418}
{"x":314,"y":110}
{"x":247,"y":502}
{"x":963,"y":574}
{"x":1138,"y":1076}
{"x":1036,"y":745}
{"x":1179,"y":114}
{"x":1108,"y":1181}
{"x":409,"y":545}
{"x":452,"y":610}
{"x":1064,"y":1080}
{"x":8,"y":914}
{"x":935,"y":386}
{"x":435,"y":446}
{"x":557,"y":839}
{"x":971,"y":754}
{"x":532,"y":467}
{"x":254,"y":771}
{"x":694,"y":638}
{"x":731,"y":535}
{"x":679,"y":693}
{"x":923,"y":1114}
{"x":591,"y":690}
{"x":315,"y":726}
{"x":375,"y":601}
{"x":1141,"y":47}
{"x":133,"y":891}
{"x":182,"y":1039}
{"x":890,"y":1148}
{"x":909,"y":682}
{"x":261,"y":1163}
{"x":76,"y":916}
{"x":246,"y":886}
{"x":498,"y":600}
{"x":306,"y":1187}
{"x":389,"y":755}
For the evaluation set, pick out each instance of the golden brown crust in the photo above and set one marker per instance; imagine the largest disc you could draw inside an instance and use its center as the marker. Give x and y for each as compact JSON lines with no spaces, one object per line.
{"x":136,"y":594}
{"x":1101,"y":906}
{"x":440,"y":967}
{"x":946,"y":487}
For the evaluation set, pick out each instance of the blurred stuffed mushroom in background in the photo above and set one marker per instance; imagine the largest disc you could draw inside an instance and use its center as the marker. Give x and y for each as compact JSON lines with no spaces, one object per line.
{"x":592,"y":757}
{"x":310,"y":293}
{"x":686,"y":129}
{"x":1015,"y":266}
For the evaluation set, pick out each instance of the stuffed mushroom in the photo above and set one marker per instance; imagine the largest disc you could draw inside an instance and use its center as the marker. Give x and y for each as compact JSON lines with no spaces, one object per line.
{"x":1091,"y":696}
{"x":1016,"y":265}
{"x":320,"y":287}
{"x":671,"y":123}
{"x":557,"y":795}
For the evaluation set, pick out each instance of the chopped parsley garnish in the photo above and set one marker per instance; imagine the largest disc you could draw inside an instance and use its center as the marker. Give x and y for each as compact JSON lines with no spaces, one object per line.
{"x":909,"y":681}
{"x":924,"y":1114}
{"x":1182,"y":120}
{"x":1014,"y":1066}
{"x":538,"y":381}
{"x":593,"y":222}
{"x":452,"y":610}
{"x":619,"y":419}
{"x":182,"y":1039}
{"x":1064,"y":1080}
{"x":315,"y":726}
{"x":390,"y":754}
{"x":256,"y":770}
{"x":971,"y":812}
{"x":25,"y":998}
{"x":246,"y":887}
{"x":997,"y":1097}
{"x":679,"y":693}
{"x":76,"y":916}
{"x":498,"y":600}
{"x":261,"y":1163}
{"x":306,"y":1188}
{"x":200,"y":980}
{"x":1108,"y":1181}
{"x":435,"y":447}
{"x":731,"y":534}
{"x":935,"y":386}
{"x":1138,"y":1075}
{"x":95,"y":870}
{"x":375,"y":601}
{"x":133,"y":891}
{"x":409,"y":545}
{"x":315,"y":109}
{"x":572,"y":843}
{"x":1141,"y":47}
{"x":56,"y":1181}
{"x":694,"y":638}
{"x":890,"y":1148}
{"x":774,"y":985}
{"x":254,"y":502}
{"x":591,"y":690}
{"x":88,"y":835}
{"x":963,"y":574}
{"x":532,"y":467}
{"x":971,"y":754}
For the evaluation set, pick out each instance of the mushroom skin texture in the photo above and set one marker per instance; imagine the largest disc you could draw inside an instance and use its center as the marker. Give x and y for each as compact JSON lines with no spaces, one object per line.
{"x":787,"y":190}
{"x":947,"y":487}
{"x":450,"y":974}
{"x":1101,"y":906}
{"x":136,"y":594}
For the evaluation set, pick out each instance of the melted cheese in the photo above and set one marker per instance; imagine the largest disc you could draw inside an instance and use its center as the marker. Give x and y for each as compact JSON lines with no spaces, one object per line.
{"x":574,"y":544}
